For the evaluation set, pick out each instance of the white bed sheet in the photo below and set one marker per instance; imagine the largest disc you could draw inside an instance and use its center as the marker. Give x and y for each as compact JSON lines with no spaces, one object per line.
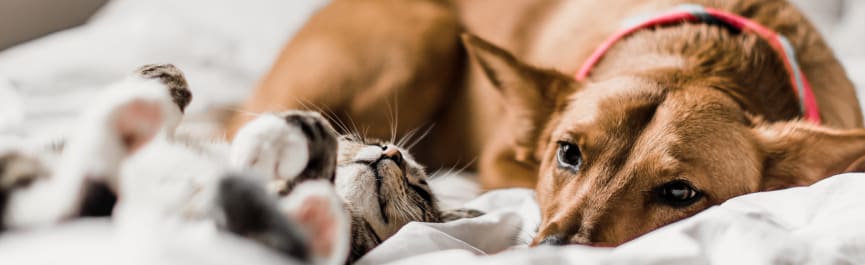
{"x":224,"y":48}
{"x":819,"y":224}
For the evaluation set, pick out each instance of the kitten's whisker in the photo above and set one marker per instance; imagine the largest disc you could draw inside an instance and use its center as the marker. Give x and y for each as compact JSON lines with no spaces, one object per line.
{"x":405,"y":138}
{"x":421,"y":137}
{"x":391,"y":121}
{"x":241,"y":111}
{"x":328,"y":114}
{"x":395,"y":114}
{"x":452,"y":171}
{"x":355,"y":129}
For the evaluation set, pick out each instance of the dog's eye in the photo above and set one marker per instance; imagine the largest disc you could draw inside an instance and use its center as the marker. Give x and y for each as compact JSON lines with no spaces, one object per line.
{"x":569,"y":156}
{"x":677,"y":193}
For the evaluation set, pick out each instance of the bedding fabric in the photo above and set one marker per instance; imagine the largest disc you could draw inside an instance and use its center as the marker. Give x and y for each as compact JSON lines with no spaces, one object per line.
{"x":224,"y":47}
{"x":819,"y":224}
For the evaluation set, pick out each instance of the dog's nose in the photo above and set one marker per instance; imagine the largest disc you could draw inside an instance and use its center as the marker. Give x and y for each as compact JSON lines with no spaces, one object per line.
{"x":392,"y":153}
{"x":552,"y":241}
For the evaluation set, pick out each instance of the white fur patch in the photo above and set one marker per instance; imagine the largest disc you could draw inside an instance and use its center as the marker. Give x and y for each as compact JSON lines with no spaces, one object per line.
{"x":95,"y":150}
{"x":271,"y":147}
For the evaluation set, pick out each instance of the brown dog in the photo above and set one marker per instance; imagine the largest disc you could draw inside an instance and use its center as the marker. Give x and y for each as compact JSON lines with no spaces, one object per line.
{"x":672,"y":120}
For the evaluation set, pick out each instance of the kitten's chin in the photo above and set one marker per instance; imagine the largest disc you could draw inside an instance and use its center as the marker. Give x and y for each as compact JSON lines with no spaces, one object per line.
{"x":355,"y":184}
{"x":388,"y":169}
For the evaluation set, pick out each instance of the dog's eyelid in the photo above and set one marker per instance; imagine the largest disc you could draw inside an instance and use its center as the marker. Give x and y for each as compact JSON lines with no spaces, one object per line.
{"x":670,"y":193}
{"x":567,"y":137}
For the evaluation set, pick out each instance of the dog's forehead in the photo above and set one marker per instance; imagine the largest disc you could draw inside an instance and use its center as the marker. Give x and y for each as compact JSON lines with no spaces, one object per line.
{"x":637,"y":124}
{"x":627,"y":102}
{"x":609,"y":104}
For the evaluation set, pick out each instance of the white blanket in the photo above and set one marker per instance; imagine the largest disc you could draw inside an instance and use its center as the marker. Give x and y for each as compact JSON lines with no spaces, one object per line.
{"x":225,"y":46}
{"x":820,"y":224}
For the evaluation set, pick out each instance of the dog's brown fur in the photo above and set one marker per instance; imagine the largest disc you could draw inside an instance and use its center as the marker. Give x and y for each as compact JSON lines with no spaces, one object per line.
{"x":692,"y":102}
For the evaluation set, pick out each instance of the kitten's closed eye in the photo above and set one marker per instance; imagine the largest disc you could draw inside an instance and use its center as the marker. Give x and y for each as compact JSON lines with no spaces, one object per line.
{"x":456,"y":214}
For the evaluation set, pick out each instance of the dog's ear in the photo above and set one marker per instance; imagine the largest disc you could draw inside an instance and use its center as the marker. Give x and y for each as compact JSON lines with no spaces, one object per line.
{"x":799,"y":153}
{"x":531,"y":94}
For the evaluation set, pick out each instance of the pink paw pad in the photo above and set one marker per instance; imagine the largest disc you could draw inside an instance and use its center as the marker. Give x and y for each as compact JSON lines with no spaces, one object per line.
{"x":137,"y":122}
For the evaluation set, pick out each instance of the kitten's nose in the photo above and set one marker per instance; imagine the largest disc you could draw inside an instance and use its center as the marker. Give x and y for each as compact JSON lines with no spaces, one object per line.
{"x":392,"y":153}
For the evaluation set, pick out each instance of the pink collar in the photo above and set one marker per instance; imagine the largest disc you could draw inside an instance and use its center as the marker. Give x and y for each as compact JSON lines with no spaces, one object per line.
{"x":696,"y":13}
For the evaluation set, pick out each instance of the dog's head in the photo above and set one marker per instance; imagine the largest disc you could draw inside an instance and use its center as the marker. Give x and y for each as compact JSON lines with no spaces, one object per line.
{"x":622,"y":156}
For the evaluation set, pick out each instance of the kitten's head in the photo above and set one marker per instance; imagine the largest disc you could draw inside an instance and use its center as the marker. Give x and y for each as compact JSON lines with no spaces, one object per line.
{"x":383,"y":185}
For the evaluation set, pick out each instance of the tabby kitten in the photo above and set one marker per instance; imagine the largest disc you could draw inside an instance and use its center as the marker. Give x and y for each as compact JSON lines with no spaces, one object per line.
{"x":125,"y":160}
{"x":286,"y":181}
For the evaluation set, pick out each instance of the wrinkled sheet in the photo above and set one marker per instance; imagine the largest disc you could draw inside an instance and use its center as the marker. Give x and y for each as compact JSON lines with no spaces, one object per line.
{"x":819,"y":224}
{"x":224,"y":47}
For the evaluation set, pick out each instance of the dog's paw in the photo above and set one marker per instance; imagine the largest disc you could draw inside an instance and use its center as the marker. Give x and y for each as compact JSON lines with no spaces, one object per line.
{"x":287,"y":148}
{"x":172,"y":78}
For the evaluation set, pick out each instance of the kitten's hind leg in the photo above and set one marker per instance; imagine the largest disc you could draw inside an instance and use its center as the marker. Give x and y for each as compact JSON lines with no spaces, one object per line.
{"x":127,"y":116}
{"x":17,"y":171}
{"x":287,"y":148}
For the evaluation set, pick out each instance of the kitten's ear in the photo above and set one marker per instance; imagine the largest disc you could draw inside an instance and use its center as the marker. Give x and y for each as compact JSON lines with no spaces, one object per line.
{"x":531,"y":94}
{"x":461,"y":213}
{"x":799,"y":153}
{"x":316,"y":207}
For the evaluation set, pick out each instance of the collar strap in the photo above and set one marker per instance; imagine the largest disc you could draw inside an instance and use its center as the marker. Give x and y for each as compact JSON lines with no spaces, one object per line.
{"x":696,"y":13}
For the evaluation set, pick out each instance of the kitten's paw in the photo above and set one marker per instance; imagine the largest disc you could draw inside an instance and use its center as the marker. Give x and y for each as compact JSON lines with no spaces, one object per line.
{"x":173,"y":79}
{"x":287,"y":148}
{"x":108,"y":135}
{"x":251,"y":212}
{"x":136,"y":123}
{"x":17,"y":171}
{"x":318,"y":210}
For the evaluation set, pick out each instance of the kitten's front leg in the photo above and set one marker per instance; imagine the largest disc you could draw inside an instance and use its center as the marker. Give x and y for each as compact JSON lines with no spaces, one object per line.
{"x":287,"y":148}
